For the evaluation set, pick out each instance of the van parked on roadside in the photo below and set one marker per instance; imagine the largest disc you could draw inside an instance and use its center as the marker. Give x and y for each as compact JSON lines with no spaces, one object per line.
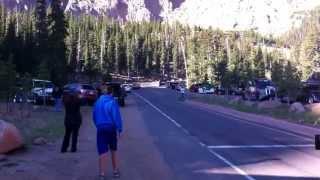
{"x":42,"y":91}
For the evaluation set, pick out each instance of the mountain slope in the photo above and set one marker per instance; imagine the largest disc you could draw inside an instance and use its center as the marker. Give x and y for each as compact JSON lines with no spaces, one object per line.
{"x":266,"y":16}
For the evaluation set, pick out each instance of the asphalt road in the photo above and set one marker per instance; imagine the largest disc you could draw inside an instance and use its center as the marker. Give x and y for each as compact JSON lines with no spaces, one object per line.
{"x":197,"y":143}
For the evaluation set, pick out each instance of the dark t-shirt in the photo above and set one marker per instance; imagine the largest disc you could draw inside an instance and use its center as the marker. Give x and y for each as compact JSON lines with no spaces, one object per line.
{"x":72,"y":111}
{"x":57,"y":93}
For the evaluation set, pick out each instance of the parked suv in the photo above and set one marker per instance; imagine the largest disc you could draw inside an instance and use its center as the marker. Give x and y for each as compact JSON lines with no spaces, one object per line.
{"x":260,"y":89}
{"x":202,"y":88}
{"x":310,"y":92}
{"x":87,"y":93}
{"x":42,"y":91}
{"x":118,"y":93}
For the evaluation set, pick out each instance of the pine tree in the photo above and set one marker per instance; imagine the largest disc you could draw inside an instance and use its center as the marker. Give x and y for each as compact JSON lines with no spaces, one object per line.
{"x":41,"y":27}
{"x":176,"y":59}
{"x":221,"y":68}
{"x":10,"y":42}
{"x":7,"y":77}
{"x":43,"y":71}
{"x":291,"y":81}
{"x":58,"y":33}
{"x":308,"y":52}
{"x":110,"y":56}
{"x":259,"y":65}
{"x":163,"y":60}
{"x":277,"y":72}
{"x":129,"y":54}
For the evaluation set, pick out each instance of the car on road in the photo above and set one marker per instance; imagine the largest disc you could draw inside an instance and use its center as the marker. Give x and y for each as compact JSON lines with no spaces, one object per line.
{"x":181,"y":87}
{"x":194,"y":88}
{"x":87,"y":93}
{"x":118,"y":92}
{"x":173,"y":85}
{"x":206,"y":88}
{"x":162,"y":83}
{"x":136,"y":85}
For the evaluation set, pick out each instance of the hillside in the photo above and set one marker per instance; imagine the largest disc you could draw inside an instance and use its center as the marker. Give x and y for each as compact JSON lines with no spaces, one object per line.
{"x":265,"y":16}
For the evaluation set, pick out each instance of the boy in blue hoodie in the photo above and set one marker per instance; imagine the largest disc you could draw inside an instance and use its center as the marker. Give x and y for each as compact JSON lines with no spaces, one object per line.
{"x":107,"y":119}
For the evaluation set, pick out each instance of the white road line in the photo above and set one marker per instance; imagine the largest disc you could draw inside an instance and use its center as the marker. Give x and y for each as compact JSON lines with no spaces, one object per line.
{"x":233,"y":166}
{"x":236,"y":168}
{"x":202,"y":144}
{"x":263,"y":126}
{"x":262,"y":146}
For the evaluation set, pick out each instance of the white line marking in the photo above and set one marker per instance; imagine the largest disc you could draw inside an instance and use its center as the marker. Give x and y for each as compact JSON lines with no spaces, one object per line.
{"x":233,"y":166}
{"x":260,"y":125}
{"x":261,"y":146}
{"x":185,"y":131}
{"x":156,"y":108}
{"x":236,"y":168}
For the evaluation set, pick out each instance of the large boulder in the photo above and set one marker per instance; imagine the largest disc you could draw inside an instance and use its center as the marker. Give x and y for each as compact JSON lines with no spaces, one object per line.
{"x":314,"y":108}
{"x":269,"y":104}
{"x":10,"y":137}
{"x":249,"y":103}
{"x":297,"y":108}
{"x":235,"y":100}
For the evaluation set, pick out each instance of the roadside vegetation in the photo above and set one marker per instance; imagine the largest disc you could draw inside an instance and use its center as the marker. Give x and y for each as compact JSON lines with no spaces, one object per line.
{"x":279,"y":112}
{"x":35,"y":122}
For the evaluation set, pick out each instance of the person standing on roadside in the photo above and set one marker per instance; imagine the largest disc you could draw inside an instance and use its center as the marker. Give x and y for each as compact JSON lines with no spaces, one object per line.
{"x":182,"y":93}
{"x":72,"y":121}
{"x":107,"y":119}
{"x":57,"y":95}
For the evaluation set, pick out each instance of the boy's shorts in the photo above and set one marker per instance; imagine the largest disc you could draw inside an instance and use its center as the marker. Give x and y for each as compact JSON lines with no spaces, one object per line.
{"x":106,"y":139}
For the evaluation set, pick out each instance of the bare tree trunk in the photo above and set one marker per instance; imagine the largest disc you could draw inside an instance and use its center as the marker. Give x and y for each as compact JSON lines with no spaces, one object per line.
{"x":78,"y":50}
{"x":228,"y":49}
{"x":185,"y":61}
{"x":17,"y":22}
{"x":102,"y":47}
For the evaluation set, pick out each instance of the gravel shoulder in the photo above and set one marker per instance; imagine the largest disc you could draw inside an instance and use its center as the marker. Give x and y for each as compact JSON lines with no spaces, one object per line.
{"x":137,"y":153}
{"x":299,"y":129}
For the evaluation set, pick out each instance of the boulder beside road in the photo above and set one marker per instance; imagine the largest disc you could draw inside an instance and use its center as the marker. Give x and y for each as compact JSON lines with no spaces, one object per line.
{"x":249,"y":103}
{"x":297,"y":108}
{"x":314,"y":108}
{"x":235,"y":100}
{"x":10,"y":137}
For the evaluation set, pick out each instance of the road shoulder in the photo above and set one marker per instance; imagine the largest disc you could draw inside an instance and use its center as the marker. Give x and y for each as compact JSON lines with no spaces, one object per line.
{"x":302,"y":130}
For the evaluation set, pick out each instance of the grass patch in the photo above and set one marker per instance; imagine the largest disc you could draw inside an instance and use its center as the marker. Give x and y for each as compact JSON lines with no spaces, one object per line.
{"x":281,"y":112}
{"x":41,"y":123}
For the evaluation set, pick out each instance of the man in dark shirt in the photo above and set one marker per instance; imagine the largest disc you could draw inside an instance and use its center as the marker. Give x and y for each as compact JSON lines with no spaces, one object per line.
{"x":72,"y":121}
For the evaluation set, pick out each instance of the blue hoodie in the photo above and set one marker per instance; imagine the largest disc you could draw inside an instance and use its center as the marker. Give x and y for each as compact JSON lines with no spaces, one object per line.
{"x":106,"y":113}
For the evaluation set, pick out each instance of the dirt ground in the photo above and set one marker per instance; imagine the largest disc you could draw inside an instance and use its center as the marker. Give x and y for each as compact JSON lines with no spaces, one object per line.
{"x":136,"y":151}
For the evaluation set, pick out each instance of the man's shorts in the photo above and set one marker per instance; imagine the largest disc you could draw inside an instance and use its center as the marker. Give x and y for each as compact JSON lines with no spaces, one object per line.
{"x":106,"y":139}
